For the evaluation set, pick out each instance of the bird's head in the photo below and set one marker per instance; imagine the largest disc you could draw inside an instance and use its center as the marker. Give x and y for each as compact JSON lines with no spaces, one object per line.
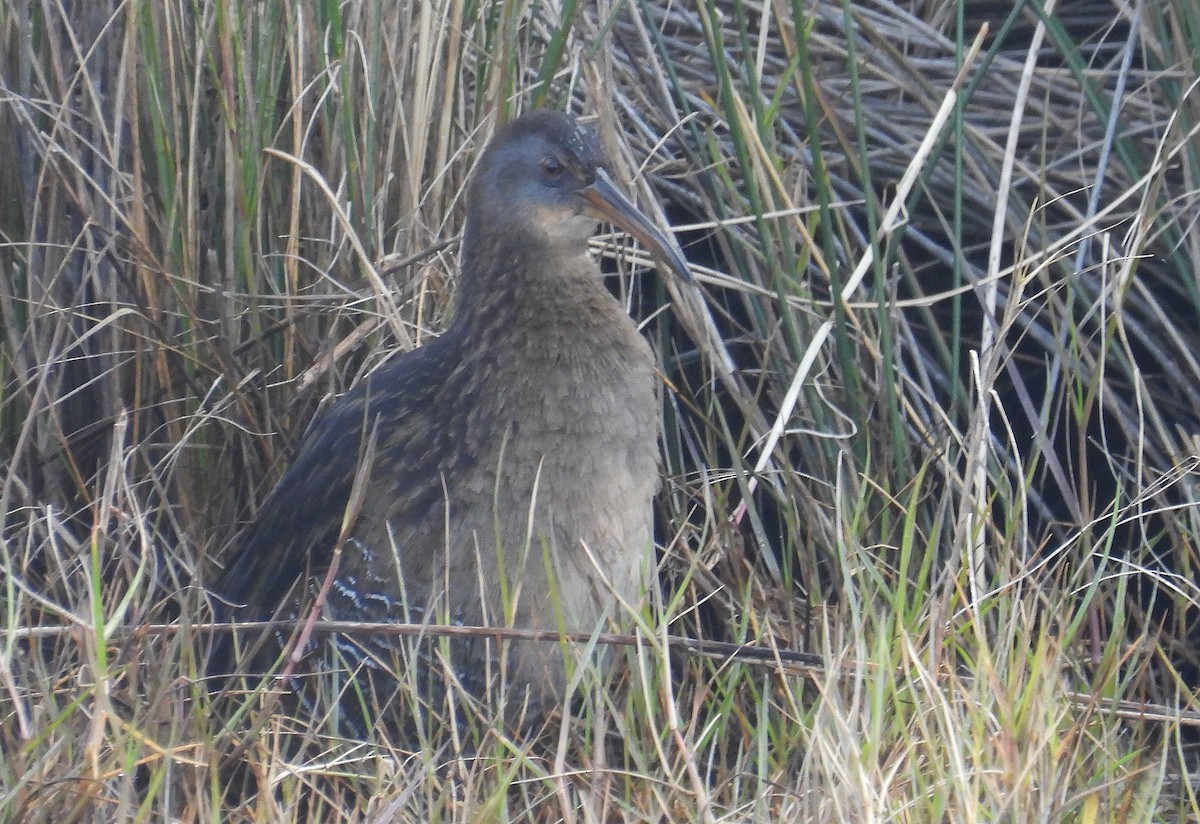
{"x":543,"y":180}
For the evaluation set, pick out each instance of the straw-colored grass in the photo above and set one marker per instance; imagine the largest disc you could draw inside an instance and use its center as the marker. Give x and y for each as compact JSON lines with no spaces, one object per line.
{"x":932,"y":418}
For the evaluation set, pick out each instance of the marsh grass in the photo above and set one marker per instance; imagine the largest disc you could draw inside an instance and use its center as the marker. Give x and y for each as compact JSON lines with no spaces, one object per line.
{"x":934,"y":423}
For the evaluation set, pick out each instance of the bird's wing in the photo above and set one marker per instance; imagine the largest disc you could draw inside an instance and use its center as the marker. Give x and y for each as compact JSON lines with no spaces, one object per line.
{"x":298,"y":523}
{"x":293,"y":537}
{"x":296,"y":527}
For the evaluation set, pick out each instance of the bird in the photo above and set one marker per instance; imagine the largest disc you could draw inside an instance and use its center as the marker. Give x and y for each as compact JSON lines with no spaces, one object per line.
{"x":512,"y":459}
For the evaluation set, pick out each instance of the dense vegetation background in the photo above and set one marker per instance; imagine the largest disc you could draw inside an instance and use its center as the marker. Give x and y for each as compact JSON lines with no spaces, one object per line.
{"x":934,"y":422}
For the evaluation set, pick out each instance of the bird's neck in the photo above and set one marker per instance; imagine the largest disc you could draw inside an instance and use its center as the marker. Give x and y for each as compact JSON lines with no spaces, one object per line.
{"x":519,"y":293}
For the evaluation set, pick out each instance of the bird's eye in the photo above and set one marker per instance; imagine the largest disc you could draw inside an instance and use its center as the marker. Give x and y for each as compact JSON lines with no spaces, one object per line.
{"x":551,"y":167}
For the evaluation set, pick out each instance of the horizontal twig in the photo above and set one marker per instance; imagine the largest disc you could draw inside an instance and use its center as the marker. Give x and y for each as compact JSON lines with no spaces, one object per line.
{"x":753,"y":655}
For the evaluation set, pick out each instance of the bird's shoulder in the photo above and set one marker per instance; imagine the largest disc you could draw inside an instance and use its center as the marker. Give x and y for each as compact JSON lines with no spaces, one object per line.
{"x":386,"y":400}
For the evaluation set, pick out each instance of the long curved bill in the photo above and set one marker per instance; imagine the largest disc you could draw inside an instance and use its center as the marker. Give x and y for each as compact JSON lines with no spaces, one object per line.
{"x":609,"y":205}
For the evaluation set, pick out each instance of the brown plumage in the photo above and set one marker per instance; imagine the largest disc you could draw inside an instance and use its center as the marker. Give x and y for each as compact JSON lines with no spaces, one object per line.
{"x":523,"y":438}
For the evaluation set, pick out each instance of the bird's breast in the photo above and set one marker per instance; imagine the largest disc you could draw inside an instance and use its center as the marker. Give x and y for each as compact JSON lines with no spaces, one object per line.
{"x":570,"y":447}
{"x":526,"y":453}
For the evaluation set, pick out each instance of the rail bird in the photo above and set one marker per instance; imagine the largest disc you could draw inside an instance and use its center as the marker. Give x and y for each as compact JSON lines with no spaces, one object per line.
{"x":513,"y":460}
